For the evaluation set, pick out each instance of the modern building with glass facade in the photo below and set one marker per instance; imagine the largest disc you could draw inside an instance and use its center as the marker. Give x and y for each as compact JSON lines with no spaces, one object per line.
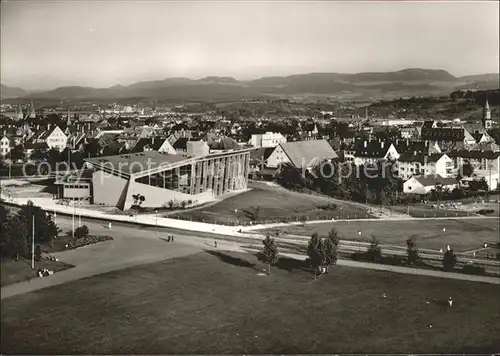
{"x":159,"y":178}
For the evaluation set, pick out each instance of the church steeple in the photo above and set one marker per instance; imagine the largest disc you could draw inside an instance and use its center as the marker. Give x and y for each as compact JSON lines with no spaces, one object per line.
{"x":68,"y":121}
{"x":486,"y":115}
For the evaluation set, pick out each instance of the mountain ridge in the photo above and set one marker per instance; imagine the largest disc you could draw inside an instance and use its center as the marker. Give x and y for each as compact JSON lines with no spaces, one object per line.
{"x":410,"y":81}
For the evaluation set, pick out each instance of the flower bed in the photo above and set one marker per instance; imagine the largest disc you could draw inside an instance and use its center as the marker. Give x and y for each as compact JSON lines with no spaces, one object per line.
{"x":87,"y":240}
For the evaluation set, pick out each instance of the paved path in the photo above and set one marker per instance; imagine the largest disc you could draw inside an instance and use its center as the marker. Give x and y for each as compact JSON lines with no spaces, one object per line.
{"x":131,"y":246}
{"x":312,"y":222}
{"x":134,"y":246}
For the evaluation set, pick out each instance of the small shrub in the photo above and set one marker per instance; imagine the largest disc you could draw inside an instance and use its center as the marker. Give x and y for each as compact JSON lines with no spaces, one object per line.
{"x":411,"y":250}
{"x":485,"y":211}
{"x":472,"y":269}
{"x":170,"y":204}
{"x":183,"y":204}
{"x":374,"y":252}
{"x":190,"y":202}
{"x":81,"y":231}
{"x":449,"y":260}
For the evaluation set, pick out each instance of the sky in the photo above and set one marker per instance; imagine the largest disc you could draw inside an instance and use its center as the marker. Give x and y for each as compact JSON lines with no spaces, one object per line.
{"x":103,"y":43}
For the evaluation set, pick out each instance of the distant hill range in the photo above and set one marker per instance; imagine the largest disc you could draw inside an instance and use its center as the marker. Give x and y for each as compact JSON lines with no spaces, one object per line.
{"x":10,"y":92}
{"x":337,"y":86}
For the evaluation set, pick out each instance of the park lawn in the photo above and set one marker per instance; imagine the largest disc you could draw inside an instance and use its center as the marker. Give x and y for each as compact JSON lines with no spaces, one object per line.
{"x":217,"y":303}
{"x":461,"y":234}
{"x":424,"y":211}
{"x":20,"y":271}
{"x":274,"y":205}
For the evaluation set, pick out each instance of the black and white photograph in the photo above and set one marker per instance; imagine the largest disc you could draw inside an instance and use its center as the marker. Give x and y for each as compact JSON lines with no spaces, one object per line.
{"x":263,"y":177}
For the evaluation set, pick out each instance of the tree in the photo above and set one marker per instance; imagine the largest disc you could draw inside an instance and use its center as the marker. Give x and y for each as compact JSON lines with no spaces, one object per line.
{"x":270,"y":253}
{"x":53,"y":157}
{"x":138,"y":200}
{"x":466,"y":170}
{"x":374,"y":252}
{"x":412,"y":251}
{"x":45,"y":228}
{"x":331,"y":247}
{"x":37,"y":155}
{"x":449,"y":260}
{"x":16,"y":153}
{"x":13,"y":237}
{"x":316,"y":253}
{"x":4,"y":213}
{"x":81,"y":231}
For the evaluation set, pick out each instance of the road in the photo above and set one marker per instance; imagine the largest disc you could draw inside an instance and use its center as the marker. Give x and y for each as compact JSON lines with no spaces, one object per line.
{"x":134,"y":245}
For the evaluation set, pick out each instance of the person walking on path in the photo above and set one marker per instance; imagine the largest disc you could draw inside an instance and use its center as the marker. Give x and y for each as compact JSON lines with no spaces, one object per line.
{"x":215,"y":243}
{"x":109,"y":226}
{"x":450,"y":301}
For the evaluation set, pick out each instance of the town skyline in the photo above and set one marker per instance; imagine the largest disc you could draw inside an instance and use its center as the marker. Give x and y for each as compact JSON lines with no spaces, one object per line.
{"x":153,"y":41}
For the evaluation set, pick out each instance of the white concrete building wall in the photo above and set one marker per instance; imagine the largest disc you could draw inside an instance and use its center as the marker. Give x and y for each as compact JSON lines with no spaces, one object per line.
{"x":157,"y":197}
{"x":107,"y":188}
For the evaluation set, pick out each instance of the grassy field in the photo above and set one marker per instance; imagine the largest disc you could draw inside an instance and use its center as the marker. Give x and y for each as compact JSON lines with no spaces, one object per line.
{"x":460,"y":234}
{"x":424,"y":211}
{"x":469,"y":207}
{"x":274,"y":204}
{"x":218,"y":303}
{"x":19,"y":271}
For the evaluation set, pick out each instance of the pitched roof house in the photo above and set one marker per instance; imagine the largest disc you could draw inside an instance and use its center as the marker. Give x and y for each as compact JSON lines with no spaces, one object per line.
{"x":425,"y":183}
{"x":155,"y":143}
{"x":362,"y":152}
{"x":301,"y":153}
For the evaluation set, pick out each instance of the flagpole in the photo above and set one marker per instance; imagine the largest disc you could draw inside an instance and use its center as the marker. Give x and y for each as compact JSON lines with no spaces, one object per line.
{"x":33,"y":243}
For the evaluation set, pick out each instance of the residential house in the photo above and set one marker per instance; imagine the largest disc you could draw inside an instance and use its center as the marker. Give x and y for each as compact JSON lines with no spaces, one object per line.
{"x":268,"y":139}
{"x":410,"y":133}
{"x":180,"y":145}
{"x":5,"y":146}
{"x":485,"y":164}
{"x":364,"y":152}
{"x":308,"y":130}
{"x":301,"y":154}
{"x":53,"y":137}
{"x":197,"y":148}
{"x":426,"y":183}
{"x":409,"y":165}
{"x":258,"y":158}
{"x":155,"y":143}
{"x":447,"y":137}
{"x":31,"y":147}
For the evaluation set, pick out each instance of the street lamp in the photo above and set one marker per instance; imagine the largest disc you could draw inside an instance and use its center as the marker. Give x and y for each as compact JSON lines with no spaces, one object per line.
{"x":156,"y":217}
{"x":33,"y":242}
{"x":73,"y":220}
{"x":359,"y":242}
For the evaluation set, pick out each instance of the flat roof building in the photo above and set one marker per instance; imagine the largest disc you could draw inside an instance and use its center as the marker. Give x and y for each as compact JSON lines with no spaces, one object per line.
{"x":159,"y":178}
